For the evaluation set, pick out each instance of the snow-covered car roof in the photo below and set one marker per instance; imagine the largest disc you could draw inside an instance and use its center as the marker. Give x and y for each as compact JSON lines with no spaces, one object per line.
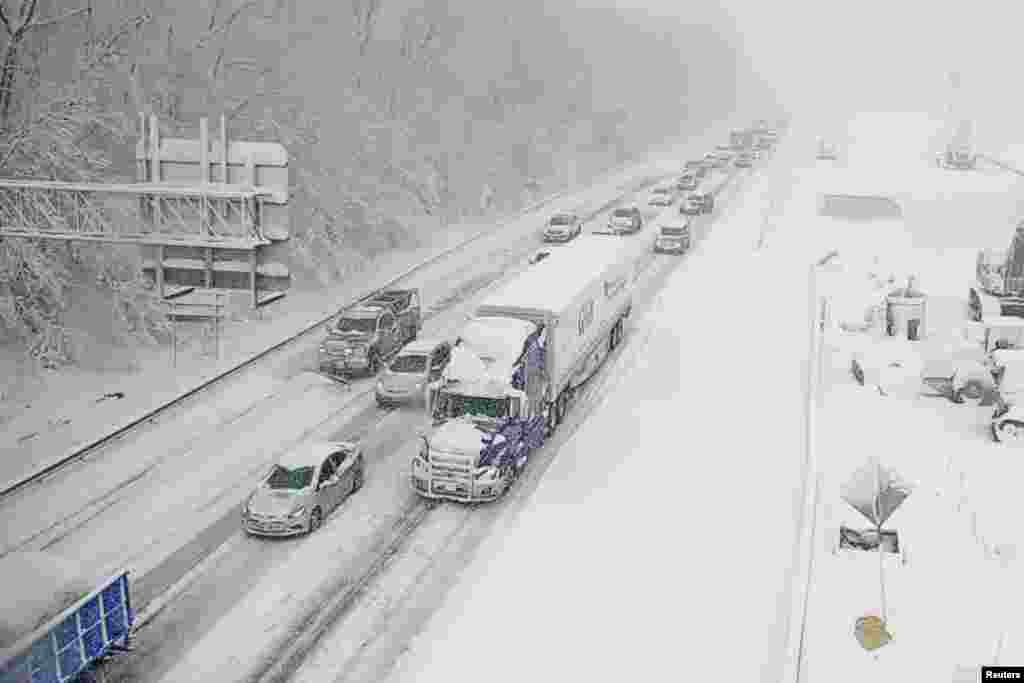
{"x":553,"y":283}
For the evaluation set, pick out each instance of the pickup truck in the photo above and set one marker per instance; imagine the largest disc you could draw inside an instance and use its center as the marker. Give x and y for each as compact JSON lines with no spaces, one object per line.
{"x":370,"y":332}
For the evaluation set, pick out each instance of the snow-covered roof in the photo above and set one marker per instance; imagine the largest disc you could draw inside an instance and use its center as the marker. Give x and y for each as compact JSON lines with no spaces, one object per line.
{"x":554,"y":282}
{"x":496,"y":337}
{"x":488,"y":352}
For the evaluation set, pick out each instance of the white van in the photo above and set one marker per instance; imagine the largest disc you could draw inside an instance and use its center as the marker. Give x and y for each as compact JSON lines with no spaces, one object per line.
{"x":673,"y":236}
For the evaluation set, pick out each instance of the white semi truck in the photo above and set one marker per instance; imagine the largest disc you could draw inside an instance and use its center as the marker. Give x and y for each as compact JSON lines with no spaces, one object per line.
{"x":518,"y":362}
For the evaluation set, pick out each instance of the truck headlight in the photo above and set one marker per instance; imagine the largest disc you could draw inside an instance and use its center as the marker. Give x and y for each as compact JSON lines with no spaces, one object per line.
{"x":486,"y":474}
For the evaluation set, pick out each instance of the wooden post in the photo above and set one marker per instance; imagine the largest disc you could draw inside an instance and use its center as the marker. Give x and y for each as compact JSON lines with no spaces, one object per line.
{"x":160,"y":270}
{"x":174,"y":338}
{"x":141,"y":151}
{"x":224,"y":148}
{"x":154,"y":172}
{"x":252,"y":279}
{"x":204,"y":174}
{"x":204,"y":151}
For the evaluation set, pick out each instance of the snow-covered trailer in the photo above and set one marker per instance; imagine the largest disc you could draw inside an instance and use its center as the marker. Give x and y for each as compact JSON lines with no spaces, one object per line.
{"x":57,"y":623}
{"x":579,"y":299}
{"x":517,"y":361}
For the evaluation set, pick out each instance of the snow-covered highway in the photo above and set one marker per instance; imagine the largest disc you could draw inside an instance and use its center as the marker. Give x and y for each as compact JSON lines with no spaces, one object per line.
{"x":658,"y":545}
{"x":164,"y":500}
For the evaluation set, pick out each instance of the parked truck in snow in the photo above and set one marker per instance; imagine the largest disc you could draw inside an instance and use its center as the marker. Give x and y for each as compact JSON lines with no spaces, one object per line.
{"x":999,"y":286}
{"x":518,"y":362}
{"x":370,"y":332}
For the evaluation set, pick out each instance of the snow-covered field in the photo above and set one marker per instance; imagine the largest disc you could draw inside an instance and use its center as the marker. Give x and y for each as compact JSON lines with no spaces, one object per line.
{"x":951,"y":602}
{"x":658,"y":545}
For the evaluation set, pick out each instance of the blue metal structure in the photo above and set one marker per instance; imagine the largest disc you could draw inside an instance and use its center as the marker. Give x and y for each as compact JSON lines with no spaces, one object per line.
{"x":92,"y":628}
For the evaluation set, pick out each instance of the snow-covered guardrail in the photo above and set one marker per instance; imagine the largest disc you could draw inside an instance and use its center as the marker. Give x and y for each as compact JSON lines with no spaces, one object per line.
{"x":811,"y":484}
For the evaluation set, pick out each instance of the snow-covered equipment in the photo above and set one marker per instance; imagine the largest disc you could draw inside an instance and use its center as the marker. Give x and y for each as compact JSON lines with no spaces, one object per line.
{"x":905,"y":312}
{"x":56,"y":621}
{"x":999,"y":287}
{"x":517,"y":363}
{"x":876,"y":492}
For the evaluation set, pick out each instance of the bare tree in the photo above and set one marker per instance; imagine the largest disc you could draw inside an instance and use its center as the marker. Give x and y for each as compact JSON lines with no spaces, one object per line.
{"x":19,"y":25}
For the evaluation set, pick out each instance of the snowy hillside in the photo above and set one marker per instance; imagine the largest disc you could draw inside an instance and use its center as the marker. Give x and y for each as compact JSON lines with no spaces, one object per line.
{"x":660,"y":539}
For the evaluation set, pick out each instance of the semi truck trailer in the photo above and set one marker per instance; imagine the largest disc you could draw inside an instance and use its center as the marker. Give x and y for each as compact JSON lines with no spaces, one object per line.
{"x":518,"y":362}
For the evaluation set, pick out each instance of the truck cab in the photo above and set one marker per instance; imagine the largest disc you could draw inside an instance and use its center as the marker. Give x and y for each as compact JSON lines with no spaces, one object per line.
{"x":485,"y":422}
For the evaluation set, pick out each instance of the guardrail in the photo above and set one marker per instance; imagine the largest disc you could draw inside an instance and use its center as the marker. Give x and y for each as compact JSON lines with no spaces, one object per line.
{"x":83,"y":451}
{"x":811,"y":486}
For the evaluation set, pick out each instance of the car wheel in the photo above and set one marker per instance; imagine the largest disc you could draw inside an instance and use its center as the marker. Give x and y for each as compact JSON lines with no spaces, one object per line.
{"x":1008,"y":431}
{"x":316,"y":520}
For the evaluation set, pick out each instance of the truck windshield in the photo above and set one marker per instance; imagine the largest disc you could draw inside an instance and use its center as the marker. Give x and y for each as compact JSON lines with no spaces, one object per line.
{"x":357,"y":325}
{"x":456,"y":405}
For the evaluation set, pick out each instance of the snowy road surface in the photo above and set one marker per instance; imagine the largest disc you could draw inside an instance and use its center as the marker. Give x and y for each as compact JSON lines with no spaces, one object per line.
{"x":658,"y":546}
{"x":320,"y":575}
{"x":176,"y":499}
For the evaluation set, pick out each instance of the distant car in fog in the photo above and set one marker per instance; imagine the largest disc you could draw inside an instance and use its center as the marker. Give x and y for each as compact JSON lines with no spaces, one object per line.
{"x":744,"y":160}
{"x":692,"y":205}
{"x":661,"y":196}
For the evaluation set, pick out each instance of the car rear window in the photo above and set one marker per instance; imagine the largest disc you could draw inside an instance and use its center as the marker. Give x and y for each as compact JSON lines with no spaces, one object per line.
{"x":623,"y":213}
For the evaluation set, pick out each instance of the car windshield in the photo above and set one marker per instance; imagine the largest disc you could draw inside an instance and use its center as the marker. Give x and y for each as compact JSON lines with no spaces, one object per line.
{"x":623,"y":213}
{"x":409,"y":363}
{"x":357,"y":325}
{"x":283,"y":478}
{"x":661,"y":190}
{"x":456,"y":405}
{"x":672,"y":231}
{"x":560,"y":220}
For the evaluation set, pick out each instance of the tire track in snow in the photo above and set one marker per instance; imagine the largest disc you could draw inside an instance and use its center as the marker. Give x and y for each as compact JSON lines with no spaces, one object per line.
{"x":373,"y":634}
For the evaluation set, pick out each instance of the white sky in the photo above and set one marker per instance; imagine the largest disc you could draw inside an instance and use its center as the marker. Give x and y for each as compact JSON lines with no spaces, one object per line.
{"x":872,"y":54}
